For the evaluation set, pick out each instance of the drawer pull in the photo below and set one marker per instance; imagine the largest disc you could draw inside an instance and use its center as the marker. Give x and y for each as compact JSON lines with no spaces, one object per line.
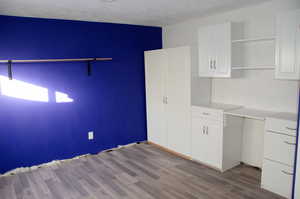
{"x":287,"y":173}
{"x":289,"y":143}
{"x":292,"y":129}
{"x":205,"y":113}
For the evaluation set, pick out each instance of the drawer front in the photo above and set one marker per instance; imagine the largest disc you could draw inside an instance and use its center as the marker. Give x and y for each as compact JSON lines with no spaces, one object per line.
{"x":207,"y":113}
{"x":281,"y":126}
{"x":280,"y":148}
{"x":277,"y":178}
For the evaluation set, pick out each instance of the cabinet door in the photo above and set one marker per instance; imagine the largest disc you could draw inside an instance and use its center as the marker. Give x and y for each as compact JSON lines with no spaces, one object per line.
{"x":207,"y":136}
{"x":288,"y":46}
{"x":179,"y":100}
{"x":214,"y":52}
{"x":205,"y":51}
{"x":214,"y":133}
{"x":155,"y":75}
{"x":199,"y":140}
{"x":222,"y":50}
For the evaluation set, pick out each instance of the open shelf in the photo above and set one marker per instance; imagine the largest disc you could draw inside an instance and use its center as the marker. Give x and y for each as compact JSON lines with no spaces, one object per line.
{"x":253,"y":68}
{"x":254,"y":39}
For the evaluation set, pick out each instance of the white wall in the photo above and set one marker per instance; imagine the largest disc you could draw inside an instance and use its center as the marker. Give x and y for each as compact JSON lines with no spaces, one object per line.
{"x":254,"y":89}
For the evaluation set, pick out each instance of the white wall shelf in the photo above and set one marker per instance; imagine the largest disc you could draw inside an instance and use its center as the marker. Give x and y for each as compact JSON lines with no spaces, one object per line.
{"x":254,"y":39}
{"x":253,"y":68}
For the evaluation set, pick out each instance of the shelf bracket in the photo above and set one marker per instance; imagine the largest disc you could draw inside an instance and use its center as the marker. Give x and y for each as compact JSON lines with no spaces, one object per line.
{"x":9,"y":69}
{"x":89,"y":67}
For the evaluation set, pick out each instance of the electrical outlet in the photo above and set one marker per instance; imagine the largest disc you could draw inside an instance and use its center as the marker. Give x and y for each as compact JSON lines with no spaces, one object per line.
{"x":91,"y":135}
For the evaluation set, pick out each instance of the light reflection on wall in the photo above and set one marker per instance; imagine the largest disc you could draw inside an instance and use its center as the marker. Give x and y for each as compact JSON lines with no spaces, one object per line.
{"x":26,"y":91}
{"x":62,"y":97}
{"x":22,"y":90}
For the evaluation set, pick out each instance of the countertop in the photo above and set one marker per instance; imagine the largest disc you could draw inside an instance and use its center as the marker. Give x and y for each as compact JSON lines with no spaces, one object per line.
{"x":218,"y":106}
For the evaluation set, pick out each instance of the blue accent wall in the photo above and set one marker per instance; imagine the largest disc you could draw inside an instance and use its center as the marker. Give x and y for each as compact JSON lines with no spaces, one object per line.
{"x":111,"y":102}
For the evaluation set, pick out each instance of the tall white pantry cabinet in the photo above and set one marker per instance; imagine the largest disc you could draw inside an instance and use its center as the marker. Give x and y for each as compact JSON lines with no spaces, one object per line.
{"x":168,"y":93}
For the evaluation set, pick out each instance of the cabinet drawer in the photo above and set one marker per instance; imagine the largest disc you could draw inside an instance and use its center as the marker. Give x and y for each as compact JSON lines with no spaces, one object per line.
{"x":281,"y":126}
{"x":277,"y":178}
{"x":207,"y":113}
{"x":280,"y":148}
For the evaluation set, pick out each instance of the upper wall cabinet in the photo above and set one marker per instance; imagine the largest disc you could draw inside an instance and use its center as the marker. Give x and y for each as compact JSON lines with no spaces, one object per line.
{"x":215,"y":50}
{"x":288,"y":46}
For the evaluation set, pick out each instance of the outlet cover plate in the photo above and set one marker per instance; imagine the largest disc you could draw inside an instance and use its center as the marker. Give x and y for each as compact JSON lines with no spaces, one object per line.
{"x":91,"y":135}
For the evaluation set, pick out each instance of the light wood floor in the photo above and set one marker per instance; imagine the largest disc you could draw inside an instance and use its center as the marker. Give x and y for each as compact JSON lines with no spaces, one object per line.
{"x":137,"y":172}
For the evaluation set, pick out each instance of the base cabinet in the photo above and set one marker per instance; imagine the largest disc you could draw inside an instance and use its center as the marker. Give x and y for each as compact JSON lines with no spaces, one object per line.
{"x":216,"y":138}
{"x":279,"y":153}
{"x":207,"y":141}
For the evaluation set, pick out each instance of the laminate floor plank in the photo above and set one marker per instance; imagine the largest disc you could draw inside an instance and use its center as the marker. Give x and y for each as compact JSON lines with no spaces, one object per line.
{"x":139,"y":171}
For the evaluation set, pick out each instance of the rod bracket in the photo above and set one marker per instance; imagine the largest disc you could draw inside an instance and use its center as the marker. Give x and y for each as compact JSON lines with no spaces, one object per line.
{"x":9,"y":69}
{"x":89,"y":66}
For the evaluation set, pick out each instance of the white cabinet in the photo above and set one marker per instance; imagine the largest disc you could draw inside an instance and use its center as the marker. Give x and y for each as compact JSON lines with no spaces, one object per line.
{"x":207,"y":141}
{"x":214,"y":52}
{"x":205,"y":52}
{"x":279,"y":154}
{"x":280,"y":148}
{"x":277,"y":178}
{"x":156,"y":63}
{"x":168,"y":93}
{"x":288,"y":46}
{"x":178,"y":92}
{"x":216,"y":138}
{"x":282,"y":126}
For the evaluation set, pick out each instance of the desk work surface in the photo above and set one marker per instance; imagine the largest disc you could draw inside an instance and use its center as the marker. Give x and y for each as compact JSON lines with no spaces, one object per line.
{"x":251,"y":113}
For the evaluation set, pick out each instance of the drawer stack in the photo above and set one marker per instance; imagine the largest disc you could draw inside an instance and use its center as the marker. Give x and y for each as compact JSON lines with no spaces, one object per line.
{"x":279,"y":154}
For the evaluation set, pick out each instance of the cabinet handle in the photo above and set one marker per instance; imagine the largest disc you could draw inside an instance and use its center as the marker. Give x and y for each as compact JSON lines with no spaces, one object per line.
{"x":292,"y":129}
{"x":166,"y":100}
{"x":215,"y":67}
{"x":287,"y":173}
{"x":210,"y":64}
{"x":203,"y":130}
{"x":207,"y":130}
{"x":289,"y":143}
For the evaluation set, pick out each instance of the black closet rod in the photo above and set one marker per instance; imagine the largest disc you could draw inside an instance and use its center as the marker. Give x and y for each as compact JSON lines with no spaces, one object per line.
{"x":54,"y":60}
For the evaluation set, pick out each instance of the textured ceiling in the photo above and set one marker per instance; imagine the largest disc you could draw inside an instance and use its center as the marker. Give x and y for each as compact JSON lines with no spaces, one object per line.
{"x":141,"y":12}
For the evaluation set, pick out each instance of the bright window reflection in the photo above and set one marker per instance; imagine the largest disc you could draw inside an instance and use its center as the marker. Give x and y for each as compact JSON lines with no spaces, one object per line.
{"x":62,"y":97}
{"x":22,"y":90}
